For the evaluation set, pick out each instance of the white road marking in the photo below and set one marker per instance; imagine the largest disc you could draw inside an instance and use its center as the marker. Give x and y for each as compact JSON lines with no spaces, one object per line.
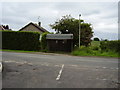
{"x":104,"y":79}
{"x":9,"y":61}
{"x":74,"y":65}
{"x":30,"y":63}
{"x":60,"y":72}
{"x":56,"y":65}
{"x":104,"y":67}
{"x":97,"y":78}
{"x":0,"y":67}
{"x":16,"y":62}
{"x":45,"y":64}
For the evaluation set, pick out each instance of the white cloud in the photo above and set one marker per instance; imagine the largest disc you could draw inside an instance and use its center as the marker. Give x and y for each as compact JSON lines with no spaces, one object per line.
{"x":59,"y":1}
{"x":44,"y":12}
{"x":103,"y":27}
{"x":102,"y":15}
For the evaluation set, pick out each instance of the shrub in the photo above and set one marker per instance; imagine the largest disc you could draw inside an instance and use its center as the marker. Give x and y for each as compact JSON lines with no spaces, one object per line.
{"x":110,"y":45}
{"x":96,"y":48}
{"x":83,"y":51}
{"x":94,"y":51}
{"x":96,"y":39}
{"x":44,"y":42}
{"x":17,"y":40}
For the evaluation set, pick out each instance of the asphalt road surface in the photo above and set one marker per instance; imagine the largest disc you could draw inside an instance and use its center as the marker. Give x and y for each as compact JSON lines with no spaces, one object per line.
{"x":23,"y":70}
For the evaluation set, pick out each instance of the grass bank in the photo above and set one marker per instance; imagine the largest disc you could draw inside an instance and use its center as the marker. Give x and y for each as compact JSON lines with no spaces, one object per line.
{"x":16,"y":50}
{"x":78,"y":52}
{"x":94,"y":50}
{"x":90,"y":52}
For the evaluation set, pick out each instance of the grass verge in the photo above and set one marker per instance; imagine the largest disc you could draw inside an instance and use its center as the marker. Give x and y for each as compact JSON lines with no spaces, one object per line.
{"x":16,"y":50}
{"x":83,"y":51}
{"x":94,"y":51}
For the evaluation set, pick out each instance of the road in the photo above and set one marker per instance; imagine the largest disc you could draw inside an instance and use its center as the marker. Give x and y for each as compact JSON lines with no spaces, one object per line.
{"x":25,"y":70}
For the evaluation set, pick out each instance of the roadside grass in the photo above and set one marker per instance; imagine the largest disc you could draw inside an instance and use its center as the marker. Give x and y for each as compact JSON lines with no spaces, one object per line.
{"x":94,"y":53}
{"x":84,"y":51}
{"x":57,"y":52}
{"x":16,"y":50}
{"x":93,"y":50}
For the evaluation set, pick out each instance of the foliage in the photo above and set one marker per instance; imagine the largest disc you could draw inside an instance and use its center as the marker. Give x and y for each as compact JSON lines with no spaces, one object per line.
{"x":105,"y":40}
{"x":84,"y":51}
{"x":8,"y":50}
{"x":69,"y":25}
{"x":5,"y":26}
{"x":95,"y":48}
{"x":90,"y":51}
{"x":99,"y":48}
{"x":16,"y":40}
{"x":110,"y":46}
{"x":95,"y":43}
{"x":96,"y":39}
{"x":44,"y":42}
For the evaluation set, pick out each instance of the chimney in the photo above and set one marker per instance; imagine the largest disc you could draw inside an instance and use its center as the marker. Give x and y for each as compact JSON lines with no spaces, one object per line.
{"x":39,"y":23}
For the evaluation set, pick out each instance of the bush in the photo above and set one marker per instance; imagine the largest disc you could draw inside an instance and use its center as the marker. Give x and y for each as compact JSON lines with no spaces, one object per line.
{"x":88,"y":51}
{"x":44,"y":42}
{"x":96,"y":48}
{"x":17,"y":40}
{"x":96,"y":39}
{"x":83,"y":51}
{"x":110,"y":46}
{"x":103,"y":45}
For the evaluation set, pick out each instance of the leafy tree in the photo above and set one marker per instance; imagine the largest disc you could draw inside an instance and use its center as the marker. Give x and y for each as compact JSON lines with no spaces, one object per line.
{"x":96,"y":39}
{"x":70,"y":25}
{"x":106,"y":40}
{"x":7,"y":27}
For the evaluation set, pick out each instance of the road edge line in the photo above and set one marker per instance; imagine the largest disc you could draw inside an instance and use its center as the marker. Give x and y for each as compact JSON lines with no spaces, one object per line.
{"x":0,"y":67}
{"x":60,"y":72}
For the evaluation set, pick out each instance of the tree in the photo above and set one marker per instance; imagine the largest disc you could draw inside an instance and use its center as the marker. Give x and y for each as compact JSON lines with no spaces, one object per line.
{"x":96,"y":39}
{"x":106,"y":40}
{"x":5,"y":26}
{"x":70,"y":25}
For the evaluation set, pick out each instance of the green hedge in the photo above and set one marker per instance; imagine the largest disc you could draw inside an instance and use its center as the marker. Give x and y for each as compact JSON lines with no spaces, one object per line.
{"x":44,"y":41}
{"x":17,"y":40}
{"x":110,"y":45}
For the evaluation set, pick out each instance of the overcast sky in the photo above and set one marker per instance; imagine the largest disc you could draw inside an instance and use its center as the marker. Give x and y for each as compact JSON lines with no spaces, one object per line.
{"x":102,"y":15}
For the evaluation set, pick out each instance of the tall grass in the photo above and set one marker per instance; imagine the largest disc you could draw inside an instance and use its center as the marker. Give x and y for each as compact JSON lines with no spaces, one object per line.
{"x":93,"y":50}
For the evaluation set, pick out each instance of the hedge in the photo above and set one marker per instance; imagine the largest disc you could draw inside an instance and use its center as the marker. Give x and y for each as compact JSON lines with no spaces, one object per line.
{"x":17,"y":40}
{"x":110,"y":46}
{"x":44,"y":41}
